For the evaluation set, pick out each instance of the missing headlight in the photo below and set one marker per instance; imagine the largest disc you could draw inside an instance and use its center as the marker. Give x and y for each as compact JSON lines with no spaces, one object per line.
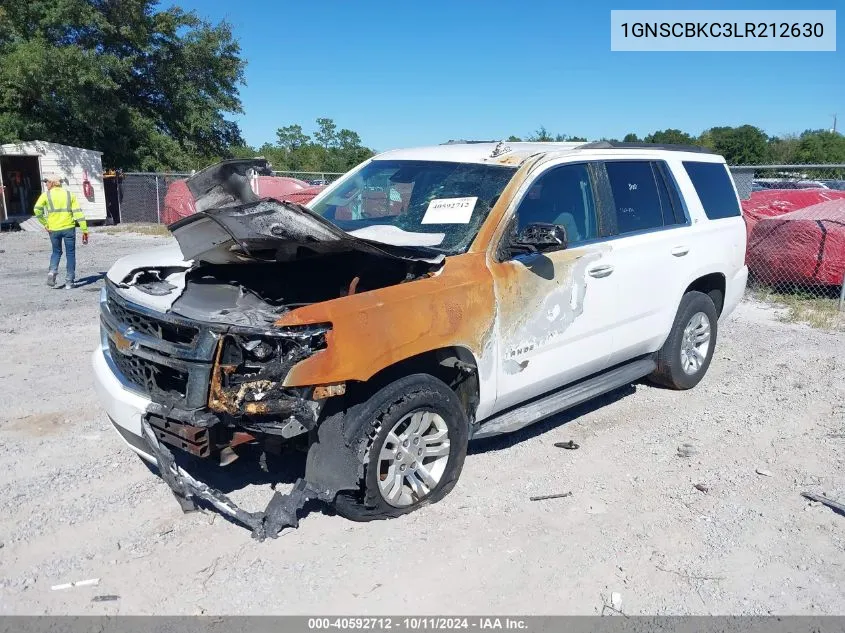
{"x":270,"y":354}
{"x":259,"y":349}
{"x":251,"y":368}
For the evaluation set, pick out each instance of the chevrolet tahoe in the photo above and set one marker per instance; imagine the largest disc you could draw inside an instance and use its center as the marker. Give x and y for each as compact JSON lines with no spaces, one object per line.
{"x":429,"y":297}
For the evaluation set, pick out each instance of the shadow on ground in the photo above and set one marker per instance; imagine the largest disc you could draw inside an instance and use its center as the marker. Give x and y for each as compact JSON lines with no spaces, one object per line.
{"x":253,"y":469}
{"x":502,"y":442}
{"x":89,"y":280}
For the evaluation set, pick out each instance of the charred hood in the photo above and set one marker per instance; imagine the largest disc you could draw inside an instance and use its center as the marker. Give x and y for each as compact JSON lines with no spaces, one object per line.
{"x":233,"y":225}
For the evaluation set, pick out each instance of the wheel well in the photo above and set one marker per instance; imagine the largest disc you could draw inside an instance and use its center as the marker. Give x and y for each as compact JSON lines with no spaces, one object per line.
{"x":455,"y":366}
{"x":712,"y":285}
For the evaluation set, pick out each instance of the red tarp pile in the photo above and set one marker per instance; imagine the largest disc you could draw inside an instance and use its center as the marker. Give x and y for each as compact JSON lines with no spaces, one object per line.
{"x":804,"y":246}
{"x":772,"y":202}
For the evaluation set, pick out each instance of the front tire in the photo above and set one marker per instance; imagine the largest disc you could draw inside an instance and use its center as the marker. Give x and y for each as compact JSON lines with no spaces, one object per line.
{"x":685,"y":356}
{"x":416,"y":435}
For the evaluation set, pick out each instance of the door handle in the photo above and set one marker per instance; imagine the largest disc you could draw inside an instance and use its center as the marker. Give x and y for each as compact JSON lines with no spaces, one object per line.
{"x":680,"y":251}
{"x":600,"y":271}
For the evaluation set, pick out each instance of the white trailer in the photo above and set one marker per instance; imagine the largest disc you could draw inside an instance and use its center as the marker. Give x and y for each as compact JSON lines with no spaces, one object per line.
{"x":23,"y":166}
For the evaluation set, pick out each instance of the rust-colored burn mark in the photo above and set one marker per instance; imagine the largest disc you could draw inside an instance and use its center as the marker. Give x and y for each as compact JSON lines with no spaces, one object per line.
{"x":321,"y":392}
{"x":539,"y":298}
{"x":457,"y":306}
{"x":231,"y":401}
{"x":493,"y":227}
{"x":219,"y":399}
{"x":260,"y":397}
{"x":191,"y":439}
{"x":536,"y":297}
{"x":241,"y":437}
{"x":514,"y":158}
{"x":373,"y":330}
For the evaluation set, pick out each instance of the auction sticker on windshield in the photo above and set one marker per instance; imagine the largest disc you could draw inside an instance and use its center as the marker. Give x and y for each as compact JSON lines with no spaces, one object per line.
{"x":449,"y":210}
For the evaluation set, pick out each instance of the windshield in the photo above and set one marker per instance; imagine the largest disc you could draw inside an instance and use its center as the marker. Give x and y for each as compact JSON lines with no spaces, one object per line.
{"x":440,"y":205}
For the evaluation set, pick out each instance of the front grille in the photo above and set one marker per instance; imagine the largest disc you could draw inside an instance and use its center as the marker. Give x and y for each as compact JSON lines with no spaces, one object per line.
{"x":158,"y":354}
{"x":170,"y":332}
{"x":148,"y":376}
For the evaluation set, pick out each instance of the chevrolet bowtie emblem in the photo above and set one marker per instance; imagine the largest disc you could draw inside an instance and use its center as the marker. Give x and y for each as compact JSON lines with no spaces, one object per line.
{"x":121,"y":342}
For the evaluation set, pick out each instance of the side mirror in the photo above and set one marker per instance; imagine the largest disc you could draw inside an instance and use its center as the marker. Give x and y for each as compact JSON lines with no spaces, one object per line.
{"x":540,"y":237}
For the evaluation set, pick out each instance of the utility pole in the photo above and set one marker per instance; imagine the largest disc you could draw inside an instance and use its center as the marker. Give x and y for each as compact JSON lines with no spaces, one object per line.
{"x":834,"y":124}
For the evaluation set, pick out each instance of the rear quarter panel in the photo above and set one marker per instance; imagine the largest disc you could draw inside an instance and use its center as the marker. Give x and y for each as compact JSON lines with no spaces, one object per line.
{"x":719,"y":245}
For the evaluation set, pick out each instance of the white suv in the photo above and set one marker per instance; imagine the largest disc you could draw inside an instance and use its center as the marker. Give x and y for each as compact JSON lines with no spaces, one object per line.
{"x":428,"y":297}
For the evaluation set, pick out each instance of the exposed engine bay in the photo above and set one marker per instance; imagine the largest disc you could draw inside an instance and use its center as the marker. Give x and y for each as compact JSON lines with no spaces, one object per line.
{"x":195,"y":332}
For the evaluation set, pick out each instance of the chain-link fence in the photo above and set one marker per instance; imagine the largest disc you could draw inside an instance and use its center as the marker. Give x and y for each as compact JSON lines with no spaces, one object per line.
{"x":795,"y":219}
{"x":750,"y":178}
{"x":142,"y":195}
{"x":311,"y":177}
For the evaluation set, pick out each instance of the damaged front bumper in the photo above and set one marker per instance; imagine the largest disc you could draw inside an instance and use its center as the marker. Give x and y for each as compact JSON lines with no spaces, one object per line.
{"x":128,"y":412}
{"x":256,"y":403}
{"x":279,"y":514}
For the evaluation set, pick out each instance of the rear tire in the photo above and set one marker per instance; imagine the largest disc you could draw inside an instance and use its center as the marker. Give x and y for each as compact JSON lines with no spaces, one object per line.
{"x":685,"y":356}
{"x":415,"y":424}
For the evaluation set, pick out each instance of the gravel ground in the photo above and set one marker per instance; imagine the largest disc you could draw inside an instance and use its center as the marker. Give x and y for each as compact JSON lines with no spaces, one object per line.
{"x":77,"y":504}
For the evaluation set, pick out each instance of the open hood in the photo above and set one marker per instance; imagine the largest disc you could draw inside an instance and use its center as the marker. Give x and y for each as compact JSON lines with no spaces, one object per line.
{"x":232,"y":224}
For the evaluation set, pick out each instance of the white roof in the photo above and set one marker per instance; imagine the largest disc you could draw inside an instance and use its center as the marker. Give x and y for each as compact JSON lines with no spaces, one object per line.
{"x":504,"y":153}
{"x":36,"y":147}
{"x":507,"y":153}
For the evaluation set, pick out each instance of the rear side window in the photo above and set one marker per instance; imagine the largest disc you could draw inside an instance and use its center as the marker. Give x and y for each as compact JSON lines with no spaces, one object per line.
{"x":714,"y":188}
{"x":635,"y":195}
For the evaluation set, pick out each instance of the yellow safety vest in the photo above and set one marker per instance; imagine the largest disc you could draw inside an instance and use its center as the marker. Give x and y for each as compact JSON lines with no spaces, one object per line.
{"x":58,"y":210}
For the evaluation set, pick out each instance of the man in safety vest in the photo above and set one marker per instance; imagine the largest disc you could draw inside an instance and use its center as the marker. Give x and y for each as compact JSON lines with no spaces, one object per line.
{"x":58,"y":211}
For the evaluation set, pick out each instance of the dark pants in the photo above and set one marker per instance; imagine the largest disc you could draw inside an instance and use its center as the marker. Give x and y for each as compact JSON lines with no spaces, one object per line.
{"x":68,"y":236}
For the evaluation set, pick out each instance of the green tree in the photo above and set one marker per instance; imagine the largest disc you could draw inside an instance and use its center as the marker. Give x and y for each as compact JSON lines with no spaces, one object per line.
{"x":541,"y":135}
{"x":243,"y":151}
{"x":513,"y":139}
{"x":782,"y":150}
{"x":330,"y":149}
{"x":670,"y":136}
{"x":743,"y":145}
{"x":347,"y":139}
{"x":149,"y":87}
{"x":292,"y":137}
{"x":348,"y":151}
{"x":630,"y":137}
{"x":820,"y":146}
{"x":327,"y":134}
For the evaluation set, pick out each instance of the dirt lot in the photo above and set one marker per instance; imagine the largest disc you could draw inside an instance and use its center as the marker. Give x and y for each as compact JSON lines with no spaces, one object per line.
{"x":77,"y":504}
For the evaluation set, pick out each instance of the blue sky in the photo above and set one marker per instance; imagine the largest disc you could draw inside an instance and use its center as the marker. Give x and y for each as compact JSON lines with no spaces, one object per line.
{"x":417,"y":73}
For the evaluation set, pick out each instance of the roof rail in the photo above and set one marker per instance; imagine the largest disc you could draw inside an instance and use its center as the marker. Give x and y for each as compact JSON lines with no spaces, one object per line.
{"x":667,"y":146}
{"x":465,"y":142}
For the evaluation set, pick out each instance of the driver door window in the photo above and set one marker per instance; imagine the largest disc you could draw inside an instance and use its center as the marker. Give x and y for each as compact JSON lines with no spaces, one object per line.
{"x":563,"y":196}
